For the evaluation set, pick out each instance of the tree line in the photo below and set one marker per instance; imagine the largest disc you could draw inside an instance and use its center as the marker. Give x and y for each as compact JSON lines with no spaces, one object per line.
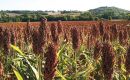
{"x":83,"y":16}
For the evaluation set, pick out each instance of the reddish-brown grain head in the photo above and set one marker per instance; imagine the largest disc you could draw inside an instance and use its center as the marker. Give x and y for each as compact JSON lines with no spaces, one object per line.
{"x":101,"y":28}
{"x":127,"y":63}
{"x":59,"y":28}
{"x":6,"y":41}
{"x":54,"y":34}
{"x":75,"y":38}
{"x":106,"y":37}
{"x":108,"y":56}
{"x":97,"y":50}
{"x":50,"y":62}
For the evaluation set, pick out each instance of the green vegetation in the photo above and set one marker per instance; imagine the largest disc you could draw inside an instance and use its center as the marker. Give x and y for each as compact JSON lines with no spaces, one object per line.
{"x":93,"y":14}
{"x":105,"y":12}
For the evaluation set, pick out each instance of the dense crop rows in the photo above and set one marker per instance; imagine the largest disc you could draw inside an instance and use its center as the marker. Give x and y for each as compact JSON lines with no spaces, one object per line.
{"x":73,"y":50}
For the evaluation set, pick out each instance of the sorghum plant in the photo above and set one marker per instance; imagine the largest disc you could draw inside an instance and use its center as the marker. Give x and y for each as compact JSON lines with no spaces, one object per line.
{"x":54,"y":34}
{"x":75,"y":38}
{"x":101,"y":28}
{"x":59,"y":28}
{"x":50,"y":62}
{"x":108,"y":56}
{"x":127,"y":63}
{"x":35,"y":42}
{"x":97,"y":50}
{"x":6,"y":41}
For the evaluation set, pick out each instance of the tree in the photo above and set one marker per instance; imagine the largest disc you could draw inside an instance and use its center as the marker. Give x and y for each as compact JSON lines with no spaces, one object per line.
{"x":96,"y":18}
{"x":110,"y":18}
{"x":86,"y":16}
{"x":128,"y":17}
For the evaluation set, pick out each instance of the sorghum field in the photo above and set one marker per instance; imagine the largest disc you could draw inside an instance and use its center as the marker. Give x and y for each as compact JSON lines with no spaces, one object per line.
{"x":65,"y":50}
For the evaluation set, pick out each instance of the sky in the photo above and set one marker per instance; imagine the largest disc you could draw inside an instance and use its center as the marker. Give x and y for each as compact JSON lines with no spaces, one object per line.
{"x":81,"y":5}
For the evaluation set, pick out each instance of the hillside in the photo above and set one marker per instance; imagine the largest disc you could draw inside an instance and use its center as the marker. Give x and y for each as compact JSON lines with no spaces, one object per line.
{"x":109,"y":11}
{"x":101,"y":10}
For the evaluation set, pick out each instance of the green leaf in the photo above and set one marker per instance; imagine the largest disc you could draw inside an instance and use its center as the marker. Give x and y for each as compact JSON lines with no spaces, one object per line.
{"x":59,"y":74}
{"x":33,"y":69}
{"x":19,"y":77}
{"x":60,"y":51}
{"x":123,"y":68}
{"x":124,"y":77}
{"x":122,"y":48}
{"x":89,"y":69}
{"x":17,"y":49}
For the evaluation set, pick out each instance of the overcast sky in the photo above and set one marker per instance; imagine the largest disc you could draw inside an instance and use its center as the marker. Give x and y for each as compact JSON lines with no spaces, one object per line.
{"x":81,"y":5}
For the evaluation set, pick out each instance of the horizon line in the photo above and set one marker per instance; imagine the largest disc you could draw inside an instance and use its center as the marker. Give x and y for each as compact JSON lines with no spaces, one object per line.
{"x":57,"y":9}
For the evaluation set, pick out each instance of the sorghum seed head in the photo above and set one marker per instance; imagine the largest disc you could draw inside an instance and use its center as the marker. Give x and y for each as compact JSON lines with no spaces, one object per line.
{"x":127,"y":63}
{"x":95,"y":31}
{"x":101,"y":28}
{"x":6,"y":41}
{"x":97,"y":50}
{"x":59,"y":28}
{"x":37,"y":46}
{"x":121,"y":39}
{"x":27,"y":33}
{"x":106,"y":37}
{"x":114,"y":32}
{"x":1,"y":36}
{"x":12,"y":38}
{"x":50,"y":62}
{"x":54,"y":34}
{"x":75,"y":38}
{"x":108,"y":56}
